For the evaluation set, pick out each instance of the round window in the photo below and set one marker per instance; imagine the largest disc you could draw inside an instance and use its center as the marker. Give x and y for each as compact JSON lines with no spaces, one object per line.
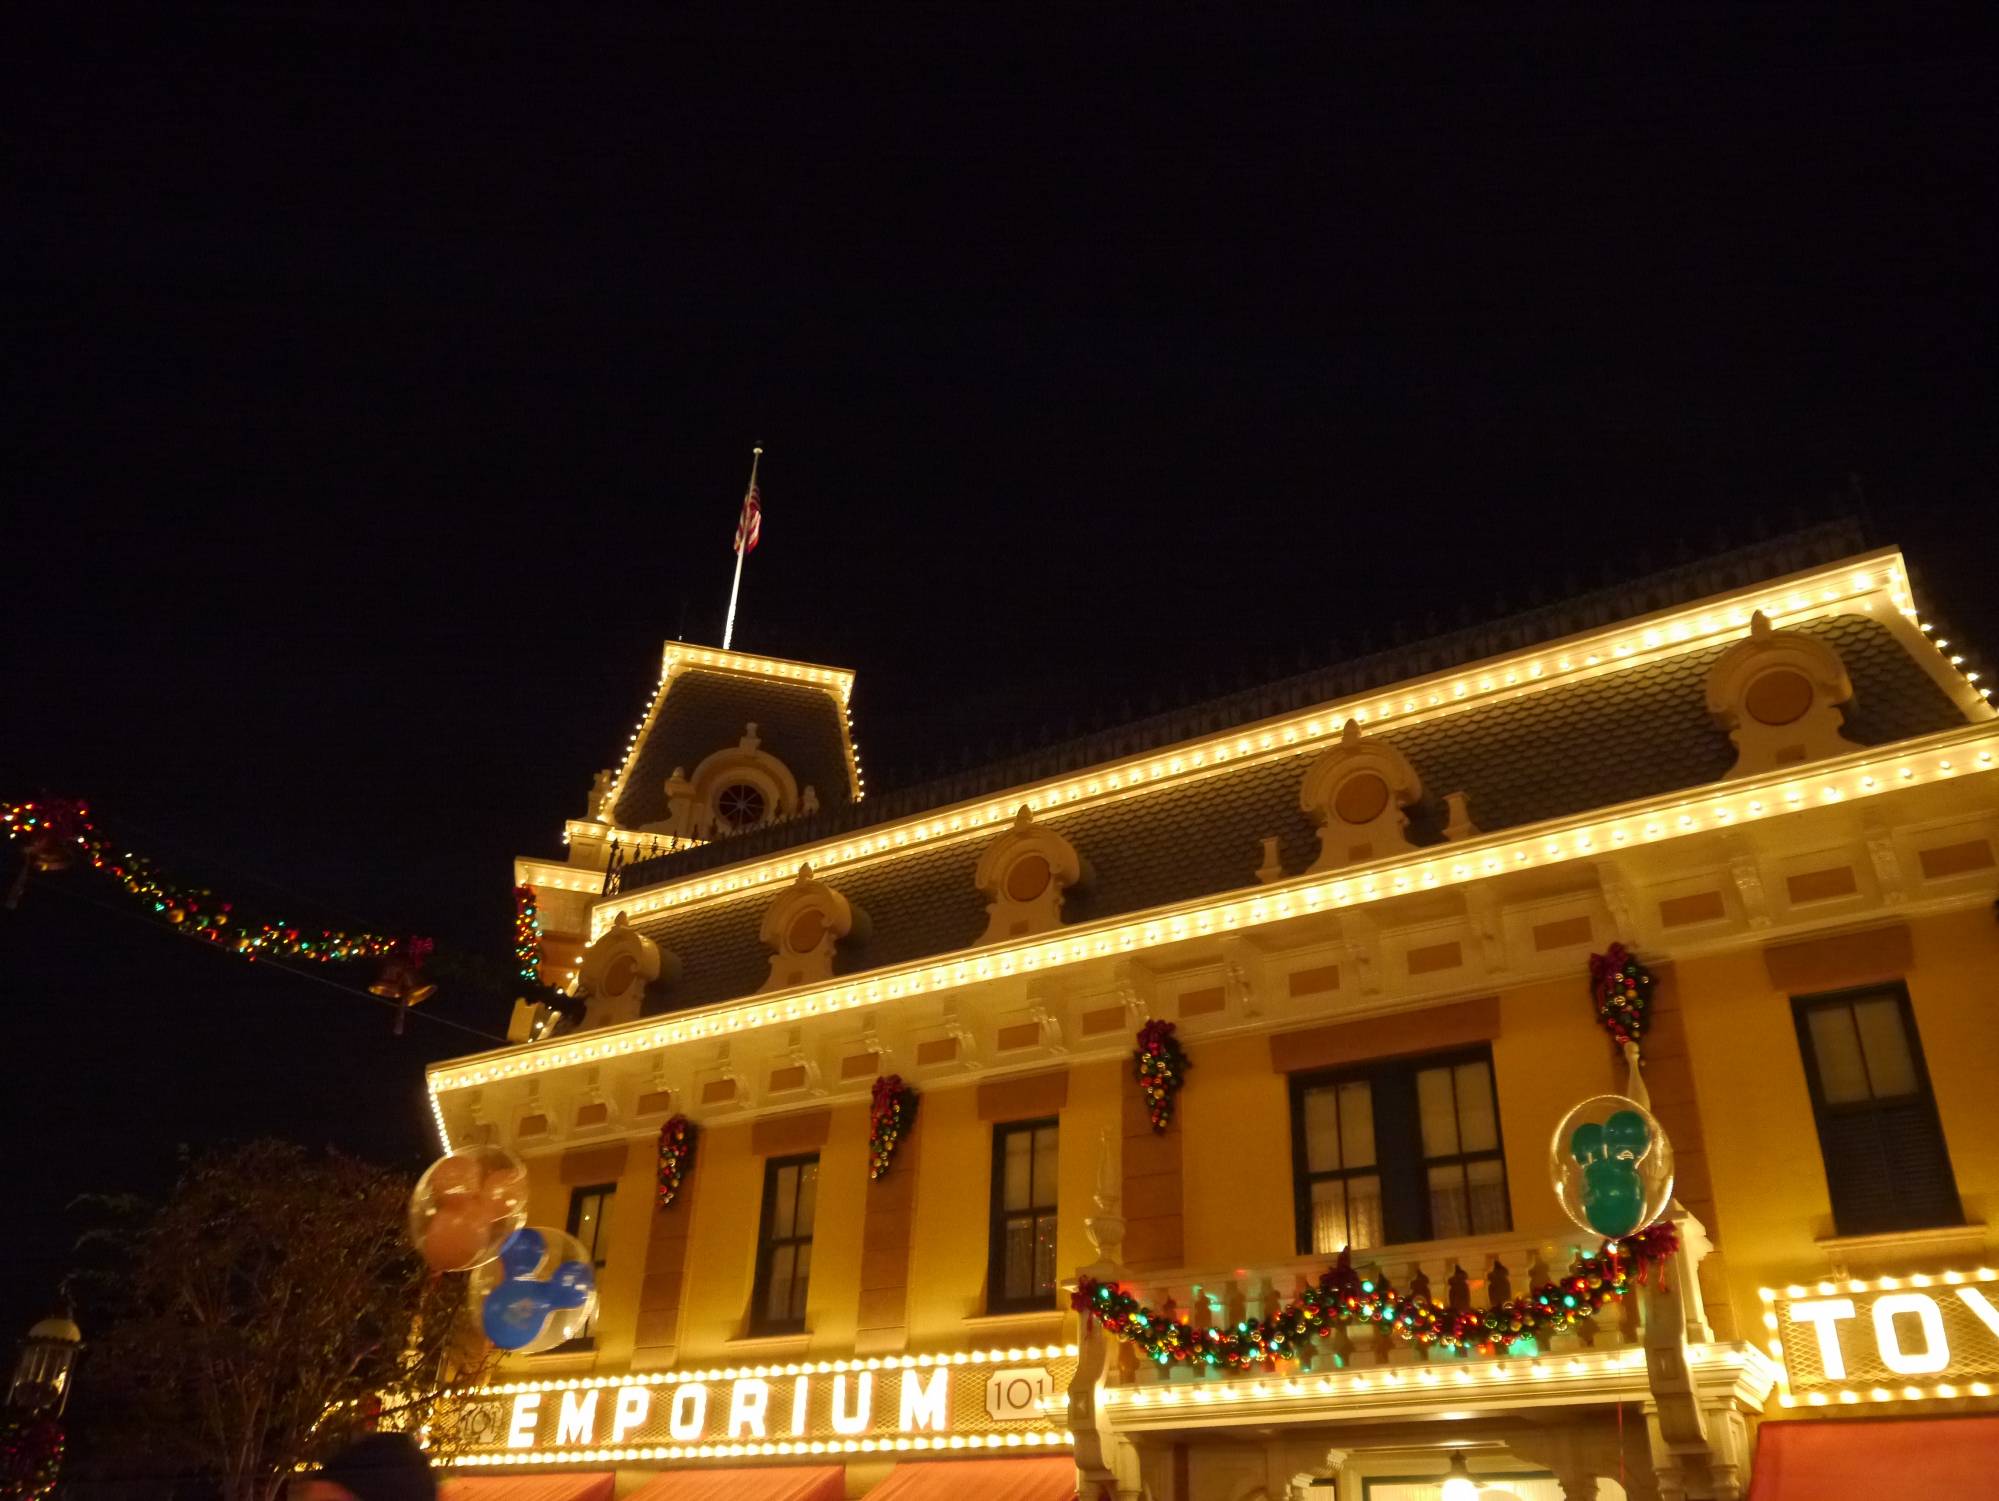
{"x":1027,"y":878}
{"x":1778,"y":697}
{"x":806,"y":931}
{"x":1361,"y":798}
{"x":741,"y":805}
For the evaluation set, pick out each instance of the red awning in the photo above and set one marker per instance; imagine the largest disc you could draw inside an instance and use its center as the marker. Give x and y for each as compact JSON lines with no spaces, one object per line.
{"x":1858,"y":1460}
{"x":592,"y":1486}
{"x":980,"y":1480}
{"x":821,"y":1483}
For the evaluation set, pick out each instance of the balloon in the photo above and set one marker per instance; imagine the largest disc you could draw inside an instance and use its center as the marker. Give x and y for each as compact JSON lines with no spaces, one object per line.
{"x":466,"y":1205}
{"x":1626,"y":1134}
{"x":1612,"y":1166}
{"x":539,"y":1292}
{"x":1587,"y":1143}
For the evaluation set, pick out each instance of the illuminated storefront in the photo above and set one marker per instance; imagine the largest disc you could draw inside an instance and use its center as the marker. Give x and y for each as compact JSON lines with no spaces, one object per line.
{"x":853,"y":1105}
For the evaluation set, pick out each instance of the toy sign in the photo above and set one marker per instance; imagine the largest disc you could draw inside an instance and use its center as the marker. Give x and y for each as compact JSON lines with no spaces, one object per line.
{"x":1893,"y":1339}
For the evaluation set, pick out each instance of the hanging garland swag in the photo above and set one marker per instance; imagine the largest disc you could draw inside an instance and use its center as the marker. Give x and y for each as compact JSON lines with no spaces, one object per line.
{"x":1342,"y":1296}
{"x":1161,"y":1065}
{"x":31,"y":1447}
{"x":676,"y":1158}
{"x":1621,"y":987}
{"x":57,"y":833}
{"x":890,"y":1115}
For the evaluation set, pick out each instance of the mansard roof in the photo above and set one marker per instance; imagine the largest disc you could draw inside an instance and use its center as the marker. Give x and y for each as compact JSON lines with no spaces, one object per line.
{"x":1629,"y":731}
{"x":704,"y":708}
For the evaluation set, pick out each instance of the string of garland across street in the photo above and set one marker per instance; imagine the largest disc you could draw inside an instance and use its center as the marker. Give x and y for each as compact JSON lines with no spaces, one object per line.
{"x":1343,"y":1296}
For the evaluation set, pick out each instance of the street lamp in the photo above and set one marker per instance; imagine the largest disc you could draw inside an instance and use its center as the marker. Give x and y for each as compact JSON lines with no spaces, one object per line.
{"x":42,"y":1372}
{"x":1458,"y":1484}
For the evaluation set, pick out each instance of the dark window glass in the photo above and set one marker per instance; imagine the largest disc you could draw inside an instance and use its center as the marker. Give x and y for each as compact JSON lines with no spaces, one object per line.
{"x":1885,"y":1160}
{"x":1021,"y":1274}
{"x":1399,"y":1151}
{"x":590,"y":1223}
{"x":784,"y":1245}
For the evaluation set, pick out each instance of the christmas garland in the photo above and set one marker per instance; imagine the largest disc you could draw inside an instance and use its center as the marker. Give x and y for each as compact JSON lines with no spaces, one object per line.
{"x":56,"y":833}
{"x":30,"y":1455}
{"x":1161,"y":1065}
{"x":1342,"y":1296}
{"x":1622,"y":990}
{"x":676,"y":1158}
{"x":890,"y":1115}
{"x":527,"y":934}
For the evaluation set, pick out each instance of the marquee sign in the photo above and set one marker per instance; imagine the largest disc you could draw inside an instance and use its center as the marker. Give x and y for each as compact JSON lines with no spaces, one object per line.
{"x":983,"y":1400}
{"x":1891,"y":1339}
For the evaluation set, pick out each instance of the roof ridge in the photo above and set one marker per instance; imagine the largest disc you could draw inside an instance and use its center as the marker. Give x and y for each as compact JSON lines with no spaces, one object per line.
{"x":1790,"y":552}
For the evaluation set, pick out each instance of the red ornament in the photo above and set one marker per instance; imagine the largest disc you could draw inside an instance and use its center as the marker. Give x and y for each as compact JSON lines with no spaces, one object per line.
{"x":676,"y":1158}
{"x":1621,"y":987}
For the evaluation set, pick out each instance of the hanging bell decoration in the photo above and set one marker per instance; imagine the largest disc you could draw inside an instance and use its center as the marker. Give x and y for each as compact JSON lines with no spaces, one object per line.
{"x":402,"y":980}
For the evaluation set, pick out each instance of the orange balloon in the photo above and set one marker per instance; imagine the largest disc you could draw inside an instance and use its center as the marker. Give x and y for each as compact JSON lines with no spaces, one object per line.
{"x":452,"y":1176}
{"x":454,"y":1240}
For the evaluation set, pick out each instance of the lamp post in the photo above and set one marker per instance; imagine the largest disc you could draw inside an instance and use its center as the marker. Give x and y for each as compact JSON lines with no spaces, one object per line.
{"x":42,"y":1370}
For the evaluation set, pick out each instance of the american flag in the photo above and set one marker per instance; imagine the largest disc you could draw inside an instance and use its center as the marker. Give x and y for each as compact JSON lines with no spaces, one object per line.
{"x":751,"y":526}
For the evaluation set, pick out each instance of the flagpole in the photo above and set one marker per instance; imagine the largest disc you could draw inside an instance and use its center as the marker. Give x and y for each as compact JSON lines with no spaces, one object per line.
{"x":729,"y":625}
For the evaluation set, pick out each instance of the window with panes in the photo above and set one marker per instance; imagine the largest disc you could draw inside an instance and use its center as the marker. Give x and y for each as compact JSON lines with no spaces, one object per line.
{"x":590,"y":1223}
{"x":1885,"y":1160}
{"x":784,"y":1245}
{"x":1021,"y":1274}
{"x":1397,"y":1151}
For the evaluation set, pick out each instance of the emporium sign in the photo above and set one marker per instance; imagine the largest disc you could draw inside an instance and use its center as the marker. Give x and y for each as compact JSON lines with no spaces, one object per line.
{"x":1891,"y":1339}
{"x":989,"y":1400}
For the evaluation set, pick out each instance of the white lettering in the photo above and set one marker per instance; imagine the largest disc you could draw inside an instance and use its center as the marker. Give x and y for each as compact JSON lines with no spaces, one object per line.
{"x":690,"y":1411}
{"x":527,"y":1411}
{"x":801,"y":1389}
{"x":926,"y":1406}
{"x":1822,"y":1314}
{"x":749,"y":1400}
{"x":1935,"y":1352}
{"x":864,"y":1398}
{"x":577,"y":1418}
{"x":1981,"y":1305}
{"x":634,"y":1402}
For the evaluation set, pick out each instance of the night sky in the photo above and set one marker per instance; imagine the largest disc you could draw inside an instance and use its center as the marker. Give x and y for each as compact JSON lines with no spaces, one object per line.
{"x":380,"y":382}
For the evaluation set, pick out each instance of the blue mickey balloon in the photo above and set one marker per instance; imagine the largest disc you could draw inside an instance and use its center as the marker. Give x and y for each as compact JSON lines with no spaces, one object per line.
{"x":515,"y":1312}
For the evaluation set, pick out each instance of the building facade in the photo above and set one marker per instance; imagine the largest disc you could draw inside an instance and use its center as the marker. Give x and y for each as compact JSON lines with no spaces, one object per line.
{"x":1366,"y":899}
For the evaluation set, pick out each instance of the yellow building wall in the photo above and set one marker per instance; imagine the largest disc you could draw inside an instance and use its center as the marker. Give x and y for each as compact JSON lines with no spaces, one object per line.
{"x":1772,"y":1203}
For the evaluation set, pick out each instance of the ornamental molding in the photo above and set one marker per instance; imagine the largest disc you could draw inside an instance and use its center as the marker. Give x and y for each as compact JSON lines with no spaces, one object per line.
{"x":1921,"y":797}
{"x":1356,"y":793}
{"x":802,"y":928}
{"x":1872,"y":585}
{"x":1777,"y":693}
{"x":1023,"y":875}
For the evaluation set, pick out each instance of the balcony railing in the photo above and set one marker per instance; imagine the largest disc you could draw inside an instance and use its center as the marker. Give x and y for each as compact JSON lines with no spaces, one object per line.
{"x":1476,"y":1272}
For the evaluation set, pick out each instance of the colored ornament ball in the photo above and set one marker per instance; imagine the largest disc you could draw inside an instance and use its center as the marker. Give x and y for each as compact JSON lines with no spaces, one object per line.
{"x":1621,"y":987}
{"x":1161,"y":1065}
{"x":676,"y":1158}
{"x":890,"y":1115}
{"x":31,"y":1447}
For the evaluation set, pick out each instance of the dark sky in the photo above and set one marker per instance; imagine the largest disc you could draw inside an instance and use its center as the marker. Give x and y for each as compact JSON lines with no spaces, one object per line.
{"x":380,"y":382}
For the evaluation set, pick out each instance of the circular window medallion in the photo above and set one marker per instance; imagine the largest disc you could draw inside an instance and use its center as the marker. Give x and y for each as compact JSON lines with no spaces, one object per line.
{"x":805,"y":932}
{"x":741,"y":805}
{"x":1361,"y":798}
{"x":1027,"y":878}
{"x":1778,"y":697}
{"x":619,"y":975}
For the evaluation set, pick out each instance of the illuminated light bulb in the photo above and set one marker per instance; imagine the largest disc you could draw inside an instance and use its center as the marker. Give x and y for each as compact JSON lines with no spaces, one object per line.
{"x":1458,"y":1484}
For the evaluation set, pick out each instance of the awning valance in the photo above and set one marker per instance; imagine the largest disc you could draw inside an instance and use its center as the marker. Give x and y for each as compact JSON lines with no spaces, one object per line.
{"x":1038,"y":1479}
{"x":593,"y":1485}
{"x":1859,"y":1460}
{"x":781,"y":1483}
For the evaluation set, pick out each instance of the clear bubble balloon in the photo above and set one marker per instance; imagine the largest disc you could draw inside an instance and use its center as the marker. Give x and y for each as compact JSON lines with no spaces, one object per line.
{"x":466,"y":1205}
{"x":1612,"y":1166}
{"x":539,"y":1292}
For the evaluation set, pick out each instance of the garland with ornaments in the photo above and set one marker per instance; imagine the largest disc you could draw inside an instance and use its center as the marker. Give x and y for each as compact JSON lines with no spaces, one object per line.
{"x":1621,"y":988}
{"x":1343,"y":1296}
{"x":891,"y":1112}
{"x":1161,"y":1065}
{"x":676,"y":1158}
{"x":56,"y":834}
{"x":30,"y":1455}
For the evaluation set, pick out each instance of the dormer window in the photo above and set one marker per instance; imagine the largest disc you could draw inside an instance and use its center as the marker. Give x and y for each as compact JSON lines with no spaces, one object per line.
{"x":740,"y":805}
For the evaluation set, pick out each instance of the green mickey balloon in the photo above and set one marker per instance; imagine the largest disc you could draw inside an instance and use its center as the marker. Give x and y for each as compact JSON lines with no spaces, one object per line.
{"x":1613,"y":1198}
{"x":1626,"y":1134}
